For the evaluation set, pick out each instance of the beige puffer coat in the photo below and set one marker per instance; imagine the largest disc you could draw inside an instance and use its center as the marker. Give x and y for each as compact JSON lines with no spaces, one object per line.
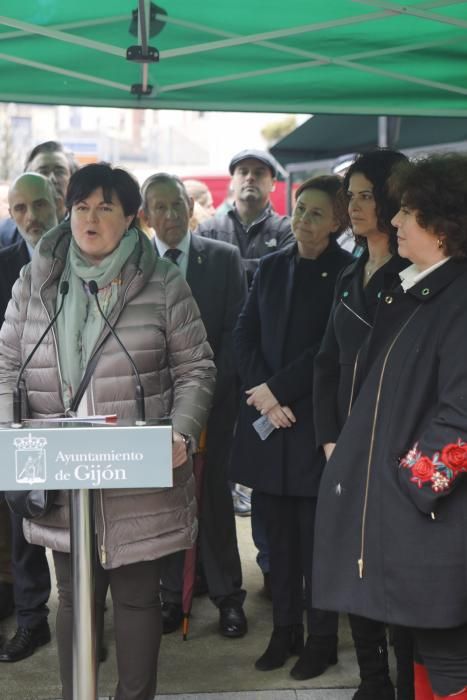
{"x":158,"y":321}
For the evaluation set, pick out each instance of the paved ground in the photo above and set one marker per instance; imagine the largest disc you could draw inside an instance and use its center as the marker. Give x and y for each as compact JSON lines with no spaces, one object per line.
{"x":207,"y":666}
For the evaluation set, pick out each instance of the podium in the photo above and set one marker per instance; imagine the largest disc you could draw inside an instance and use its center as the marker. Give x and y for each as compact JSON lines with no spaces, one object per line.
{"x":81,"y":457}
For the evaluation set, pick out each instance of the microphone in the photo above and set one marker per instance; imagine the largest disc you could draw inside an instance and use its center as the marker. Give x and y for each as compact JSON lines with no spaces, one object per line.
{"x":139,"y":398}
{"x":17,"y":418}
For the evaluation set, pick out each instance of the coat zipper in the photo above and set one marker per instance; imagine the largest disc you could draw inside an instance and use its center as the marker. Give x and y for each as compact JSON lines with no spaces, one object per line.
{"x":360,"y":561}
{"x":354,"y":375}
{"x":355,"y":314}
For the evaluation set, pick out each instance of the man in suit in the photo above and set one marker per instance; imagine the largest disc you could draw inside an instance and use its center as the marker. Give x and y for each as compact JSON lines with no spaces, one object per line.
{"x":217,"y":280}
{"x":32,"y":206}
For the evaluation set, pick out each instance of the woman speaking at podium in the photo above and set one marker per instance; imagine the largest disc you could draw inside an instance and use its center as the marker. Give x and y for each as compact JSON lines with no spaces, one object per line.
{"x":100,"y":254}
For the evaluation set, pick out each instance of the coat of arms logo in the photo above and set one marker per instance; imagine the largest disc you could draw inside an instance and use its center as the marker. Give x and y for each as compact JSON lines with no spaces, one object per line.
{"x":30,"y":459}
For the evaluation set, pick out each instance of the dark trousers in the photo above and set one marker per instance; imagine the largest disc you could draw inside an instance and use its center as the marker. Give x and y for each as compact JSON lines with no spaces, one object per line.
{"x":290,"y":524}
{"x":137,"y":624}
{"x":31,"y":577}
{"x":444,"y":654}
{"x":217,"y":539}
{"x":5,"y":544}
{"x":258,"y":532}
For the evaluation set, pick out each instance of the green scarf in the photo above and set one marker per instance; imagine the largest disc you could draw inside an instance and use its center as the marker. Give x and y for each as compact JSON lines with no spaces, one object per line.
{"x":80,"y":324}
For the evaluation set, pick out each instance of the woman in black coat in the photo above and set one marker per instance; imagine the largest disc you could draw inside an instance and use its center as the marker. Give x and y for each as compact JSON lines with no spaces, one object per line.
{"x":358,"y":289}
{"x":392,"y":514}
{"x":276,"y":339}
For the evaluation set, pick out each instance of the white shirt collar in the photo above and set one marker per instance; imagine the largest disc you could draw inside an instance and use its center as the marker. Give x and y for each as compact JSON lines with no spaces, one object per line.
{"x":412,"y":274}
{"x":183,"y":247}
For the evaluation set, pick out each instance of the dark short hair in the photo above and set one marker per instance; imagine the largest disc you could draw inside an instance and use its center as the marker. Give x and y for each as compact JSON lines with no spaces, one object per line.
{"x":435,"y":188}
{"x":52,"y":147}
{"x":158,"y":178}
{"x":332,"y":185}
{"x":89,"y":178}
{"x":377,"y":166}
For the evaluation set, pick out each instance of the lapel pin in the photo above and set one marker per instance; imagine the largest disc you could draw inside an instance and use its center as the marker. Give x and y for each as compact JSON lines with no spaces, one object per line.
{"x":425,"y":291}
{"x":324,"y":274}
{"x":200,"y":259}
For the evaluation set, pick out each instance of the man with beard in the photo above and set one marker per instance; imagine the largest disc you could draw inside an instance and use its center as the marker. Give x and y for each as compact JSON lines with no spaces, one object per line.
{"x":32,"y":206}
{"x":250,"y":223}
{"x":53,"y":162}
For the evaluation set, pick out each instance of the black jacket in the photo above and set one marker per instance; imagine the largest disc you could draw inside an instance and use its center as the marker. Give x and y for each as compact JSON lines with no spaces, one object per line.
{"x":9,"y":234}
{"x":12,"y":259}
{"x":288,"y":462}
{"x":218,"y":284}
{"x":269,"y":233}
{"x":350,"y":321}
{"x":392,"y":510}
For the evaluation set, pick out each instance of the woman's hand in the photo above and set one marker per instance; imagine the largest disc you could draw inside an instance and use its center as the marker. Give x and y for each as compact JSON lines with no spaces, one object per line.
{"x":262,"y":398}
{"x":179,"y":451}
{"x":329,"y":449}
{"x":281,"y":416}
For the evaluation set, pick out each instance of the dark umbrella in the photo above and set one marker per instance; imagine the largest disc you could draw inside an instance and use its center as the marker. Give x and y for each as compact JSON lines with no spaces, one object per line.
{"x":189,"y":568}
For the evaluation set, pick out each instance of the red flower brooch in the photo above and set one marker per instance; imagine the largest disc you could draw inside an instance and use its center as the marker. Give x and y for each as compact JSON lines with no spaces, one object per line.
{"x":441,"y":470}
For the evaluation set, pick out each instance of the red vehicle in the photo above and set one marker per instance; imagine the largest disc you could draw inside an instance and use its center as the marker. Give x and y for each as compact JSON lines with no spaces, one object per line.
{"x":219,"y":186}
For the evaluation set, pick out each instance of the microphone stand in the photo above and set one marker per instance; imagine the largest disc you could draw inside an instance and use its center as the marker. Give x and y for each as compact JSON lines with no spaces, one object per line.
{"x":17,"y":392}
{"x":83,"y":557}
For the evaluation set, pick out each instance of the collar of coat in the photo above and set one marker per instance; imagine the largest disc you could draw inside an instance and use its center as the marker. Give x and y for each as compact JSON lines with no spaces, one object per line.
{"x":291,"y":251}
{"x":438,"y":280}
{"x":392,"y":267}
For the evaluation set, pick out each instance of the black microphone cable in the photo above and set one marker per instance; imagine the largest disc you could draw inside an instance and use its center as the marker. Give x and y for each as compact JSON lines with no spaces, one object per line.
{"x":139,"y":398}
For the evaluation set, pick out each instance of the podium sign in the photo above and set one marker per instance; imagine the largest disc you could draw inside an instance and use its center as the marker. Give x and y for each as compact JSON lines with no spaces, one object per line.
{"x":86,"y":456}
{"x":80,"y":457}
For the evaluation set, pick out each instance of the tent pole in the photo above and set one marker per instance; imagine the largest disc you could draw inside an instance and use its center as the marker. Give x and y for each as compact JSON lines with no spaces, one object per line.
{"x":288,"y":193}
{"x":383,"y":136}
{"x":82,"y":577}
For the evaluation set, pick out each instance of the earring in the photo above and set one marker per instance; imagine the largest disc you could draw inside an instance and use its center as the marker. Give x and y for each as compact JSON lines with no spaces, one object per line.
{"x":440,"y":243}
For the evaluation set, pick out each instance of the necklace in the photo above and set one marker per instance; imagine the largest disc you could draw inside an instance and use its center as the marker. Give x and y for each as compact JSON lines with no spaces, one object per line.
{"x":371,"y":269}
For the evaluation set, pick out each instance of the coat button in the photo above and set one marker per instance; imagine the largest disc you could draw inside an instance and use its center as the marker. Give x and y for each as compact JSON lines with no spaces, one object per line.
{"x":324,"y":274}
{"x":388,"y":299}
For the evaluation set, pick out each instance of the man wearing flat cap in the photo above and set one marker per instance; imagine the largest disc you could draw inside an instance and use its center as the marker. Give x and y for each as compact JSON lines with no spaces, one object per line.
{"x":250,"y":223}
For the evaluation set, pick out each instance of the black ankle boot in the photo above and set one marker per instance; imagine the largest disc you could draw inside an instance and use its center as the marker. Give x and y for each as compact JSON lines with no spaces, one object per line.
{"x":318,"y":654}
{"x":372,"y":659}
{"x":285,"y":641}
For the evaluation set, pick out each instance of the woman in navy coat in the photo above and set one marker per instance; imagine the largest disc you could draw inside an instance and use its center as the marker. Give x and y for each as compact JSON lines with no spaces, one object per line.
{"x":276,"y":339}
{"x":392,"y":514}
{"x":358,"y":289}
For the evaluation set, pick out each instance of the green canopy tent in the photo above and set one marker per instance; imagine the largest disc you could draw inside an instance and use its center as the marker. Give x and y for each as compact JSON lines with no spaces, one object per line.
{"x":329,"y":136}
{"x":341,"y":56}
